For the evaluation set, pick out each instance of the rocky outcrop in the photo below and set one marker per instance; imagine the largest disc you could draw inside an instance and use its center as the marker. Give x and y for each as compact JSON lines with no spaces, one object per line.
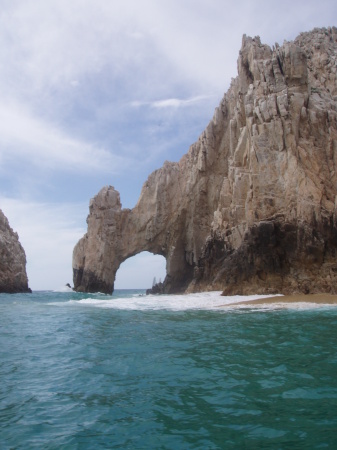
{"x":157,"y":289}
{"x":252,"y":206}
{"x":13,"y":277}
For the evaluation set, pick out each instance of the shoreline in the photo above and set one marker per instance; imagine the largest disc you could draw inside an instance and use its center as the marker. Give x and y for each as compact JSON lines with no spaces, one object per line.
{"x":319,"y":299}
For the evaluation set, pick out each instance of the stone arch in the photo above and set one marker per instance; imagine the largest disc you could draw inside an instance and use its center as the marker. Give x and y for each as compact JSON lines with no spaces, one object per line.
{"x":116,"y":234}
{"x":251,"y":208}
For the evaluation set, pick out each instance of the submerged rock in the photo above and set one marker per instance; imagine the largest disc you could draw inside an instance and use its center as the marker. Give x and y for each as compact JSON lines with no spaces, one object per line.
{"x":157,"y":289}
{"x":13,"y":276}
{"x":252,"y":206}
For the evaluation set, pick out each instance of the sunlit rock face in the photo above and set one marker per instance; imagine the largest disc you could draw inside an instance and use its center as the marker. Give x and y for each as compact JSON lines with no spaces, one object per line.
{"x":252,"y":207}
{"x":13,"y":277}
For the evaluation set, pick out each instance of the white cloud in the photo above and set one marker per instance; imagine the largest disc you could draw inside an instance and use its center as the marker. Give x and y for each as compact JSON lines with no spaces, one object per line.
{"x":40,"y":143}
{"x":48,"y":44}
{"x":172,"y":102}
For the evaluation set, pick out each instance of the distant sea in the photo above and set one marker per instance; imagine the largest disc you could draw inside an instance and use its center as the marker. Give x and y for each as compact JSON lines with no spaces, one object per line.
{"x":129,"y":371}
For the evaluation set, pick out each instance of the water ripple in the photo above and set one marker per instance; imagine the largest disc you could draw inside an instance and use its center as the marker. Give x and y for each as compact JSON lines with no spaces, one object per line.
{"x":84,"y":378}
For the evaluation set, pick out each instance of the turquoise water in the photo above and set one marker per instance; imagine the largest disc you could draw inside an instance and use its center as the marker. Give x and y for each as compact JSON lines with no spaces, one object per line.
{"x":136,"y":372}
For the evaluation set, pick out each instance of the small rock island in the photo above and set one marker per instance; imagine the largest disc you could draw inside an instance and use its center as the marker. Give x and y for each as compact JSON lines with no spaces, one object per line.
{"x":13,"y":276}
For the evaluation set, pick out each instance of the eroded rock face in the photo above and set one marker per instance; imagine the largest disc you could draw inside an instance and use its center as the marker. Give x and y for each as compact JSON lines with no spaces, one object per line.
{"x":252,"y":206}
{"x":13,"y":277}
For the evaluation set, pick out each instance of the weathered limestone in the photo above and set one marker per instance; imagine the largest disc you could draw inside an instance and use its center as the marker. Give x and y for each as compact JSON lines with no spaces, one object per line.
{"x":252,"y":206}
{"x":13,"y":277}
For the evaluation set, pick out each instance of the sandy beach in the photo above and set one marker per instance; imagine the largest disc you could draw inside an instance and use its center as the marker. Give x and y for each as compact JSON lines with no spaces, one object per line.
{"x":323,"y":299}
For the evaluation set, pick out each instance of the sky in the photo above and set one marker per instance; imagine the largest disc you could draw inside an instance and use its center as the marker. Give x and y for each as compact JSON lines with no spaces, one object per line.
{"x":102,"y":92}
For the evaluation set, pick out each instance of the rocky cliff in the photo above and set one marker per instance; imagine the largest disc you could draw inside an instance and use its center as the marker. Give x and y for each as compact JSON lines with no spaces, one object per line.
{"x":252,"y":206}
{"x":13,"y":277}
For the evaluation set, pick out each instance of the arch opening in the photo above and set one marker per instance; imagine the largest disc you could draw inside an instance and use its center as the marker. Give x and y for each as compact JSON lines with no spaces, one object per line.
{"x":139,"y":271}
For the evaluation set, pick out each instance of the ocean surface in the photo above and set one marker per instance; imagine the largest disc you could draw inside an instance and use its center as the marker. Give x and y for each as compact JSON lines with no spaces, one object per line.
{"x":130,"y":371}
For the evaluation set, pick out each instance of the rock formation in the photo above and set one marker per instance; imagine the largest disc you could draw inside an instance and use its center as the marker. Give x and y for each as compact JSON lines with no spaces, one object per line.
{"x":252,"y":206}
{"x":13,"y":277}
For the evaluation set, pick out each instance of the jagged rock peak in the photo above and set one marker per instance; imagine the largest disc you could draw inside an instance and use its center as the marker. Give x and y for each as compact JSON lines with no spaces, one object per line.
{"x":13,"y":277}
{"x":252,"y":206}
{"x":107,"y":198}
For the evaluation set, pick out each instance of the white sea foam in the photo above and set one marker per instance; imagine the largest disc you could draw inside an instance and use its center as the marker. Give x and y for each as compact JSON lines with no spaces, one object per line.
{"x":197,"y":301}
{"x":63,"y":289}
{"x":202,"y":301}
